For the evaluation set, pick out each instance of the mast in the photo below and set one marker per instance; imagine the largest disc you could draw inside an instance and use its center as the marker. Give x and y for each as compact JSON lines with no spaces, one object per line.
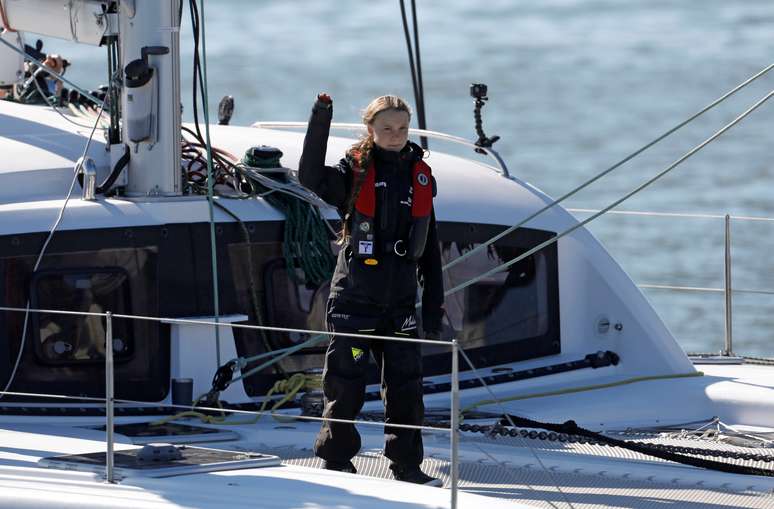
{"x":149,"y":34}
{"x":149,"y":54}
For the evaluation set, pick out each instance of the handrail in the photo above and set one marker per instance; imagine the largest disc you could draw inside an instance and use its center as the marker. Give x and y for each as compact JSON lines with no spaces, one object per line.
{"x":110,"y":400}
{"x":225,"y":324}
{"x":702,"y":289}
{"x":649,"y":213}
{"x":254,"y":413}
{"x":502,"y":168}
{"x":727,"y":289}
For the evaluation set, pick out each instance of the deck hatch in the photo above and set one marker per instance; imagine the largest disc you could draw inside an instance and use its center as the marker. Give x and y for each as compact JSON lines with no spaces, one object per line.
{"x":193,"y":460}
{"x":141,"y":433}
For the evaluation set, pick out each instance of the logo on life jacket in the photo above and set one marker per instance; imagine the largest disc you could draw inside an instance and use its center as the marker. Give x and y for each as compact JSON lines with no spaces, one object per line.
{"x":357,"y":354}
{"x":365,"y":212}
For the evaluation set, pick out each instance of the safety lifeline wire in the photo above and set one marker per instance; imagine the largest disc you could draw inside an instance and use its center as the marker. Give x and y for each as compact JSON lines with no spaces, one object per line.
{"x":611,"y":168}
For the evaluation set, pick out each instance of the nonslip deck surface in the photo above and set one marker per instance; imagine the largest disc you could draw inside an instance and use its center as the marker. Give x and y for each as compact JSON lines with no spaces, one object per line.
{"x":533,"y":484}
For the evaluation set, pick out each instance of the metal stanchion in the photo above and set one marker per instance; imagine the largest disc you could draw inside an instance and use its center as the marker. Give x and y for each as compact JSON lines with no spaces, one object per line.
{"x":454,"y":424}
{"x":109,"y":396}
{"x":728,"y":349}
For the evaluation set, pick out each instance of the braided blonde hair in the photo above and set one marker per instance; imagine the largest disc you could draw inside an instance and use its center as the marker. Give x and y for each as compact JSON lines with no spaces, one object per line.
{"x":360,"y":153}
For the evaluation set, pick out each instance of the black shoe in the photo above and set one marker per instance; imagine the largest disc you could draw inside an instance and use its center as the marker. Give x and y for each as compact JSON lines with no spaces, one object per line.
{"x":340,"y":466}
{"x":413,"y":474}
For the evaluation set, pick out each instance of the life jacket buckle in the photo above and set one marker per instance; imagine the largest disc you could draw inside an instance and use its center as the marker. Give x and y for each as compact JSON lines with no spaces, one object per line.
{"x":399,"y":248}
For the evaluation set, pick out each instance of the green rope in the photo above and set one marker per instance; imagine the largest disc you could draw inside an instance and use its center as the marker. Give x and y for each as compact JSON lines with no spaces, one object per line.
{"x":306,"y":244}
{"x":210,"y":181}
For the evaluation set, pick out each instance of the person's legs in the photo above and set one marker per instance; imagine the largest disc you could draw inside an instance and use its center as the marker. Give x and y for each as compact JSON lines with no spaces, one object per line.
{"x":402,"y":394}
{"x":344,"y":389}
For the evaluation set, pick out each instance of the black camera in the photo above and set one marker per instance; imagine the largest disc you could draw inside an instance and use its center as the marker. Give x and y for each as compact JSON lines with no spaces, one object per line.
{"x":478,"y":90}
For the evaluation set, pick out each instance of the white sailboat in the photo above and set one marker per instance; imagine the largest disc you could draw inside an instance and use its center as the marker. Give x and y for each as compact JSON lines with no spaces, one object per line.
{"x":108,"y":320}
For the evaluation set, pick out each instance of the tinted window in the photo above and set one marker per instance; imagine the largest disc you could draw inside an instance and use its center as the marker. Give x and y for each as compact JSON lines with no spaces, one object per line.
{"x":508,"y":316}
{"x":72,"y":339}
{"x":271,"y":297}
{"x":98,"y":280}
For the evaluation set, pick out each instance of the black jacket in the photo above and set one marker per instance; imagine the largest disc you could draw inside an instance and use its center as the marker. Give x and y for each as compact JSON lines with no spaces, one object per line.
{"x":392,"y":283}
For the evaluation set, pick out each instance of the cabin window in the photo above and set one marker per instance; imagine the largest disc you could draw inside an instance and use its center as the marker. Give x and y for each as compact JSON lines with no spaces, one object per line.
{"x":508,"y":316}
{"x":506,"y":306}
{"x":263,"y":287}
{"x":66,"y":339}
{"x":293,"y":305}
{"x":64,"y":354}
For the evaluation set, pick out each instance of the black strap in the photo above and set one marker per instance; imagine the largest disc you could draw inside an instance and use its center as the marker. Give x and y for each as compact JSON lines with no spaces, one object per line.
{"x":571,"y":428}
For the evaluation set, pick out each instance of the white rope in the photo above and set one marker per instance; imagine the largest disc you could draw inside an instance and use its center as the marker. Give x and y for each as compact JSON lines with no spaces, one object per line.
{"x":45,"y":246}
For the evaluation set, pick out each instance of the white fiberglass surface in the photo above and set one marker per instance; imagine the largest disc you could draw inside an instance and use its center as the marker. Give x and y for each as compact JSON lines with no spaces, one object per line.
{"x":23,"y":484}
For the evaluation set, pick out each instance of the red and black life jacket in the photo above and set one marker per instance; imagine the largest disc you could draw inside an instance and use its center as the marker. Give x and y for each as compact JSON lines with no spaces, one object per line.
{"x":362,"y":227}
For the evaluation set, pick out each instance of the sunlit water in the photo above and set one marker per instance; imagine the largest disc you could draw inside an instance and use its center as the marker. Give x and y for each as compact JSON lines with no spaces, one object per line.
{"x":574,"y":85}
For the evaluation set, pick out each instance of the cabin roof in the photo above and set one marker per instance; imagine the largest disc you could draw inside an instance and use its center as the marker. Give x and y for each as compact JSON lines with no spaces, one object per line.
{"x":41,"y":149}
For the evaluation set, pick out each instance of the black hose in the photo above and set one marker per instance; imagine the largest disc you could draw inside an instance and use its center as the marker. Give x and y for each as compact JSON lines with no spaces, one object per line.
{"x":114,"y":173}
{"x":111,"y":179}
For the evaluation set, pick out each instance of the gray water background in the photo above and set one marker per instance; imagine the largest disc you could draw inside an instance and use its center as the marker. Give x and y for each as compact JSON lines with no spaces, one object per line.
{"x":574,"y":86}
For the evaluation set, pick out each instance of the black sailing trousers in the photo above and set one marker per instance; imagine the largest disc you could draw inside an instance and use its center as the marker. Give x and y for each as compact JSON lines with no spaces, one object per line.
{"x":344,"y":378}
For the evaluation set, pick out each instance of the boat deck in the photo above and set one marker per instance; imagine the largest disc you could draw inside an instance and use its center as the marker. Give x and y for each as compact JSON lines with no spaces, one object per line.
{"x":610,"y":480}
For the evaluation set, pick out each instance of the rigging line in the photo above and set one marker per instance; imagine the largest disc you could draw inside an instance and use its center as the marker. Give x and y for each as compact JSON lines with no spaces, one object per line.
{"x":508,"y":467}
{"x":414,"y":83}
{"x":34,"y":60}
{"x":507,"y":416}
{"x":610,"y":169}
{"x":45,"y":246}
{"x":210,"y":183}
{"x":287,"y":351}
{"x":420,"y":86}
{"x":51,"y":103}
{"x":628,"y":195}
{"x":196,"y":73}
{"x":254,"y":299}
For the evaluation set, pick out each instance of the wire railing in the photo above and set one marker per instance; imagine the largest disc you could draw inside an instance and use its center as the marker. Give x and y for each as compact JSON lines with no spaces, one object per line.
{"x":435,"y":135}
{"x":110,"y":400}
{"x":727,"y":289}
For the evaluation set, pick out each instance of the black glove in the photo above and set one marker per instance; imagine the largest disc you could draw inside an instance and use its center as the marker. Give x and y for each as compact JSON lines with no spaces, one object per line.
{"x":323,"y":102}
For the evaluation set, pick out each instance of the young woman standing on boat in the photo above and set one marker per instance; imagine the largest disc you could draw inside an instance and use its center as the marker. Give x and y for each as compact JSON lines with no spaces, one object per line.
{"x":384,"y":192}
